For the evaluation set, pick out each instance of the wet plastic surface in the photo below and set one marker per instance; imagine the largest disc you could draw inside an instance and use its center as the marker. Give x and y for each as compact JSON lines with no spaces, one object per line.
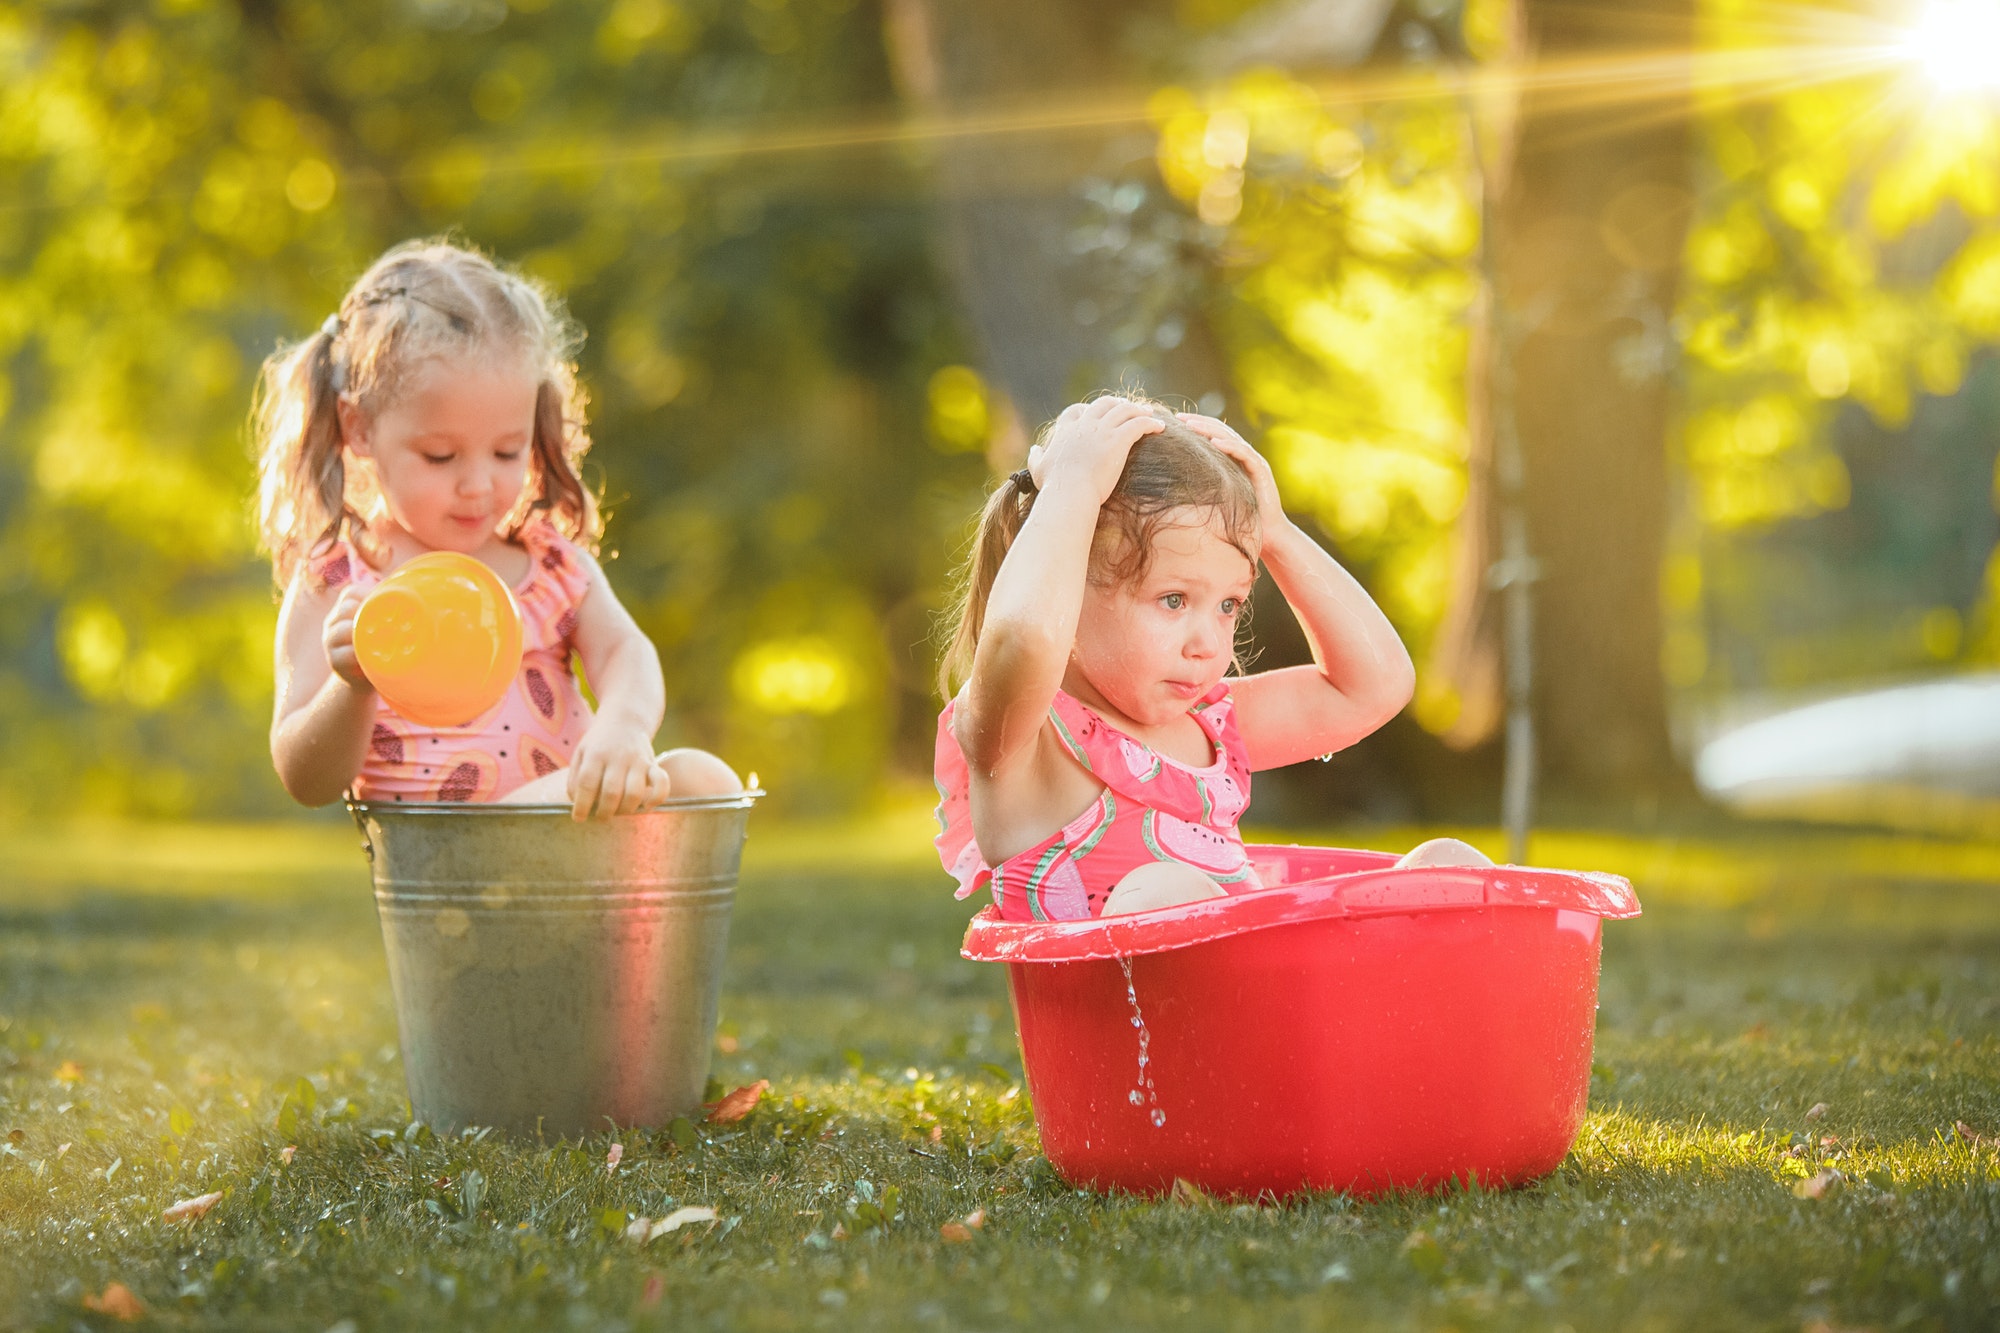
{"x":1359,"y":1028}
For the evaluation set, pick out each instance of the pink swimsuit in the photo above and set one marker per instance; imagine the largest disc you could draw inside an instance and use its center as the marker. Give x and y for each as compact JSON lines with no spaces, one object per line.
{"x":1154,"y":808}
{"x":529,"y":733}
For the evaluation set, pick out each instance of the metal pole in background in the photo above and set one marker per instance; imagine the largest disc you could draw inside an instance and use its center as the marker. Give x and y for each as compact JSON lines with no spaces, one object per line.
{"x":1513,"y":577}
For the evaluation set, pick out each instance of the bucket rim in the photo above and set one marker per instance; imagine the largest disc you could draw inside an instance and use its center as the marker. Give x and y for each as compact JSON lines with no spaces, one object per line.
{"x":1354,"y":895}
{"x":742,"y":800}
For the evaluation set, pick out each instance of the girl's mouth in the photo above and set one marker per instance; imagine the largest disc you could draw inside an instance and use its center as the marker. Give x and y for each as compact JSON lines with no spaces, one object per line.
{"x":1185,"y":689}
{"x":469,"y":524}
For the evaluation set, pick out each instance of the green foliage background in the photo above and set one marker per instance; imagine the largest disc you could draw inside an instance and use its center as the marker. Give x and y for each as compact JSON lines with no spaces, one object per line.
{"x":789,"y":438}
{"x":184,"y":185}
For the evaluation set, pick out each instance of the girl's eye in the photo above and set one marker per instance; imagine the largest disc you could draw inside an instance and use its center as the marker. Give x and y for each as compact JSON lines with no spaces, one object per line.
{"x":439,"y":458}
{"x":1174,"y":601}
{"x":1232,"y":606}
{"x":507,"y":455}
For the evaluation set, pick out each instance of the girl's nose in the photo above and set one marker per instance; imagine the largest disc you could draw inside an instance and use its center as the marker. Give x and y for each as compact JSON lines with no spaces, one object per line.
{"x":1204,"y":642}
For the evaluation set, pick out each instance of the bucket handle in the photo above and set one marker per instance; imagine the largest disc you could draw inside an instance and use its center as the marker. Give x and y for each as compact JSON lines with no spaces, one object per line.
{"x":359,"y":827}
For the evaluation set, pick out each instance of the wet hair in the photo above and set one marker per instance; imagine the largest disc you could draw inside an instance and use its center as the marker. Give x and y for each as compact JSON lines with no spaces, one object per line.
{"x":422,"y":302}
{"x":1169,"y":470}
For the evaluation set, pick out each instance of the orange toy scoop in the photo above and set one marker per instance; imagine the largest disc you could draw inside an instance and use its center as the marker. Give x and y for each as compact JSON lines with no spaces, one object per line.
{"x":440,"y":639}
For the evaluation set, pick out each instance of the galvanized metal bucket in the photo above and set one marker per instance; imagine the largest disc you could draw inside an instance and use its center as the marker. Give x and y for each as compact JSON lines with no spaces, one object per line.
{"x":554,"y":977}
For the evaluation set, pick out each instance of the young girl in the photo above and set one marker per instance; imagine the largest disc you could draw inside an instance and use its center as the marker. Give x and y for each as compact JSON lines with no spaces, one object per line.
{"x":438,"y":410}
{"x":1099,"y":756}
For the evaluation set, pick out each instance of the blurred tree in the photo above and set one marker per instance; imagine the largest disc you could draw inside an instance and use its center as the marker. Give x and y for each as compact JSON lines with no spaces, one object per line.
{"x":182,"y":187}
{"x":1843,"y":292}
{"x":1587,"y":239}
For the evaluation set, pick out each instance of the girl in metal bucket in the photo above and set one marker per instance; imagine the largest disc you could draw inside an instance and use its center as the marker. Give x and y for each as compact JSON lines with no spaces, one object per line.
{"x":438,"y":410}
{"x":1098,"y":757}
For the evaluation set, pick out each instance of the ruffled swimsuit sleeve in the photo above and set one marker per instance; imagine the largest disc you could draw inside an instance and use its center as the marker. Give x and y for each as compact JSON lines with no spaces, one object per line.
{"x":338,"y":564}
{"x":953,"y":778}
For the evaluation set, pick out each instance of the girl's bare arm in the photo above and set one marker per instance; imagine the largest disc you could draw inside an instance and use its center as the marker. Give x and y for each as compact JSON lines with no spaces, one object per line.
{"x":613,"y":770}
{"x":1361,"y":674}
{"x":1031,"y":613}
{"x":325,"y":711}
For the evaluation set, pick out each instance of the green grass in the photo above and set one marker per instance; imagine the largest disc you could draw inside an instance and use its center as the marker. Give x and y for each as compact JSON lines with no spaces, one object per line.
{"x":163,"y":992}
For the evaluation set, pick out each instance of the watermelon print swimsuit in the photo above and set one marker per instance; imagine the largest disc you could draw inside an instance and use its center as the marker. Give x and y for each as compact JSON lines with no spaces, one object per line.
{"x":1153,"y":808}
{"x":531,"y":732}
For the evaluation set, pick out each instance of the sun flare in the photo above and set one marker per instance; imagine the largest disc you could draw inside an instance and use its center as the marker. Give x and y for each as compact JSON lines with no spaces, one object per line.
{"x":1957,"y":44}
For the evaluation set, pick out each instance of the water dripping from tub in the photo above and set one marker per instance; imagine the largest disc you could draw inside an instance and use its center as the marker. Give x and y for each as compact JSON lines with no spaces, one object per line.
{"x":1144,"y":1091}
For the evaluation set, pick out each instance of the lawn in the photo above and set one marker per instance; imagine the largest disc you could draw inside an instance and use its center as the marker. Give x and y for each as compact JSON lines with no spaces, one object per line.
{"x":181,"y":1007}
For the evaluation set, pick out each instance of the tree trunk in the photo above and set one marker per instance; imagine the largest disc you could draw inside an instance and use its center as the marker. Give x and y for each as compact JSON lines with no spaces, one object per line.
{"x":1587,"y":246}
{"x":1010,"y":202}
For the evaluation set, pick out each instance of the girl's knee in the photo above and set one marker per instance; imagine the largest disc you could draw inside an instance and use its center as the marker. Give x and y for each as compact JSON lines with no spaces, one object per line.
{"x":1443,"y":852}
{"x":693,"y":772}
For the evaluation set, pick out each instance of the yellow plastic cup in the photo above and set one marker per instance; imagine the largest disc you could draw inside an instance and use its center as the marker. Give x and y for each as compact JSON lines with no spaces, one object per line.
{"x":440,"y":639}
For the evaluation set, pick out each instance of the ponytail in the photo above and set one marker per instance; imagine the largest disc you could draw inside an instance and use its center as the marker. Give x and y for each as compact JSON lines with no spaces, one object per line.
{"x":999,"y":523}
{"x":554,"y":487}
{"x":302,"y":482}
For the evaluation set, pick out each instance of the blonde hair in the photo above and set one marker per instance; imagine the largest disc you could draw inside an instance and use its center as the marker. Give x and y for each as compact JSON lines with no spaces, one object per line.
{"x":420,"y":302}
{"x":1171,"y":469}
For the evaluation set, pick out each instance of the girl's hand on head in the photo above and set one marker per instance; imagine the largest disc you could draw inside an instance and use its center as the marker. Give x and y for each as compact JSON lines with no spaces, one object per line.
{"x":1090,"y":441}
{"x":1270,"y":507}
{"x":339,"y":639}
{"x":613,"y":772}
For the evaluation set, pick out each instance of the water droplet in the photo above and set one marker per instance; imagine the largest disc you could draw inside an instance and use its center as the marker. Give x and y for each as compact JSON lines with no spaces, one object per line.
{"x":1144,"y":1092}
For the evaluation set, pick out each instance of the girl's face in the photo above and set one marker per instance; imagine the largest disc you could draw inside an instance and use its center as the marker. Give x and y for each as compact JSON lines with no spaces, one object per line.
{"x":451,"y":452}
{"x":1151,"y":648}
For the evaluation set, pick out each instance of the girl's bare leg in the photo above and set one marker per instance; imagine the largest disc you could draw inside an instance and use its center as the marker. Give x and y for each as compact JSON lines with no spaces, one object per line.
{"x":692,"y":772}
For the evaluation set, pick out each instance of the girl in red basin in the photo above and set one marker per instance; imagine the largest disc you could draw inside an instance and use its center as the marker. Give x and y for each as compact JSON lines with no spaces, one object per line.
{"x":1098,"y":757}
{"x":438,"y":410}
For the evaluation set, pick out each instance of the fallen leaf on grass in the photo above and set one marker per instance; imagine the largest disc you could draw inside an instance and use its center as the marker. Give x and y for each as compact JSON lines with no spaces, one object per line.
{"x":643,"y":1230}
{"x":1971,"y":1135}
{"x":613,"y":1158}
{"x":191,"y":1210}
{"x":737,"y":1104}
{"x":62,"y":1149}
{"x":655,"y":1292}
{"x":1816,"y":1187}
{"x":69,"y":1071}
{"x":1817,"y":1110}
{"x":287,"y":1153}
{"x":955,"y":1233}
{"x":682,"y":1217}
{"x":976,"y":1218}
{"x":117,"y":1301}
{"x":1188,"y":1194}
{"x":17,"y":1136}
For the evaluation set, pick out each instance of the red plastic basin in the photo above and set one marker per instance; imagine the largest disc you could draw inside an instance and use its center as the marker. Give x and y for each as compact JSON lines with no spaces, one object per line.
{"x":1351,"y":1027}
